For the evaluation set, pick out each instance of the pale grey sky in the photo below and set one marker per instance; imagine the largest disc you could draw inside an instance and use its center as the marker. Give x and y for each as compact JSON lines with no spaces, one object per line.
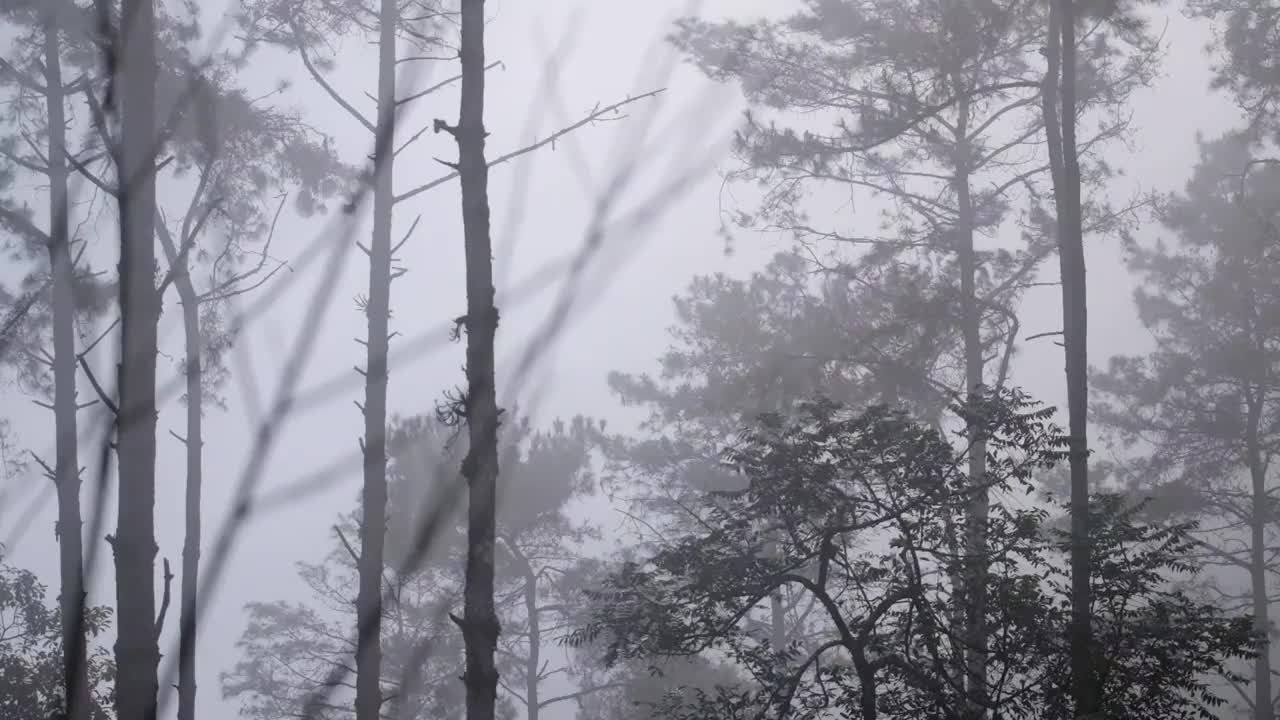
{"x":614,"y":48}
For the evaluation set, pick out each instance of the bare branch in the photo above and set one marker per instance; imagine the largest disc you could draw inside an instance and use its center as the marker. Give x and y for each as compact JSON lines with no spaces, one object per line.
{"x":48,"y":470}
{"x":442,"y":84}
{"x":164,"y":602}
{"x":324,"y":84}
{"x":226,"y":289}
{"x":355,"y":556}
{"x":93,"y":380}
{"x":407,"y":233}
{"x":595,"y":115}
{"x":99,"y":339}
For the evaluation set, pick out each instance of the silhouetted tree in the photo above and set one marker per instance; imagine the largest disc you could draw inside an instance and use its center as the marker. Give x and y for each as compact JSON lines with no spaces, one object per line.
{"x":34,"y":71}
{"x":132,"y":69}
{"x":306,"y":29}
{"x":862,"y":498}
{"x":479,"y":407}
{"x":933,"y":107}
{"x":1201,"y":408}
{"x":291,"y":649}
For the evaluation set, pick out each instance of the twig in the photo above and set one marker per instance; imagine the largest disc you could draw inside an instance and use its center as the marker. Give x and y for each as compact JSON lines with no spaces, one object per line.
{"x":407,"y":233}
{"x":300,"y":46}
{"x":93,"y":380}
{"x":164,"y":602}
{"x":343,"y":538}
{"x":48,"y":470}
{"x":442,"y":84}
{"x":596,"y":114}
{"x":99,"y":339}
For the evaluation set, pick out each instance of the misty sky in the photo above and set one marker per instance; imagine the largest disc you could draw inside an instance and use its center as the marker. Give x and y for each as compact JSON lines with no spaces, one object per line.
{"x":542,"y":208}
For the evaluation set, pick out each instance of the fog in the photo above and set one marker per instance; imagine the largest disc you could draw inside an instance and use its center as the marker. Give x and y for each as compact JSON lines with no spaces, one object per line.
{"x":558,"y":61}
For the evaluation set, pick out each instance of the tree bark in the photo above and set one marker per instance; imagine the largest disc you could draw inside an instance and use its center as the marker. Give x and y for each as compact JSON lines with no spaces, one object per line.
{"x":479,"y":624}
{"x":373,"y":523}
{"x":75,"y":672}
{"x":195,"y":481}
{"x":979,"y":509}
{"x":194,"y":377}
{"x":136,"y":649}
{"x":535,"y":643}
{"x":777,"y":617}
{"x":1263,"y":706}
{"x":1085,"y":692}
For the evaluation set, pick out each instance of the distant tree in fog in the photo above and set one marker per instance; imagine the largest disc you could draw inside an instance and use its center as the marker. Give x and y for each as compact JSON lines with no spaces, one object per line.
{"x":1200,"y":414}
{"x":935,"y":108}
{"x":290,"y":648}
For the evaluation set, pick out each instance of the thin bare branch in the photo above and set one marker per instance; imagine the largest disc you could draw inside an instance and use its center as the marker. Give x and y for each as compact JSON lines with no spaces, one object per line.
{"x":597,"y":114}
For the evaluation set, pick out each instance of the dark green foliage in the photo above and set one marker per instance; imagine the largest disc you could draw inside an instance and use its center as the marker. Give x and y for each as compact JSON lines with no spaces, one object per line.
{"x":864,"y":501}
{"x":31,"y":652}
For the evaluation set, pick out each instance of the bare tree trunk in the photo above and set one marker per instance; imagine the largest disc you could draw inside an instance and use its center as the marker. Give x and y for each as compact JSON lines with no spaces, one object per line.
{"x":979,"y":509}
{"x":195,"y":480}
{"x":194,"y":444}
{"x":535,"y":643}
{"x":75,"y":673}
{"x":479,"y":624}
{"x":373,"y":523}
{"x":137,"y":652}
{"x":777,"y":613}
{"x":1263,"y":706}
{"x":1085,"y":692}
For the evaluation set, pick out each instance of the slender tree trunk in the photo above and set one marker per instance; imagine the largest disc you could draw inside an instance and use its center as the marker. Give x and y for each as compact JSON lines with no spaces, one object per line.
{"x":776,"y":402}
{"x":194,"y":377}
{"x":373,"y":523}
{"x":777,"y":616}
{"x":479,"y":624}
{"x":195,"y":480}
{"x":1263,"y":707}
{"x":1085,"y":692}
{"x":979,"y":509}
{"x":534,"y":660}
{"x":136,"y":650}
{"x":75,"y":672}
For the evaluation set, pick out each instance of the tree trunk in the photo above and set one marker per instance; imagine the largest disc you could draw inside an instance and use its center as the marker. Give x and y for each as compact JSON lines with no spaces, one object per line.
{"x":373,"y":523}
{"x":1263,"y":707}
{"x":979,"y":509}
{"x":535,"y":643}
{"x":479,"y":624}
{"x":777,"y":616}
{"x":1075,"y":332}
{"x":136,"y":650}
{"x":75,"y":674}
{"x":195,"y":479}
